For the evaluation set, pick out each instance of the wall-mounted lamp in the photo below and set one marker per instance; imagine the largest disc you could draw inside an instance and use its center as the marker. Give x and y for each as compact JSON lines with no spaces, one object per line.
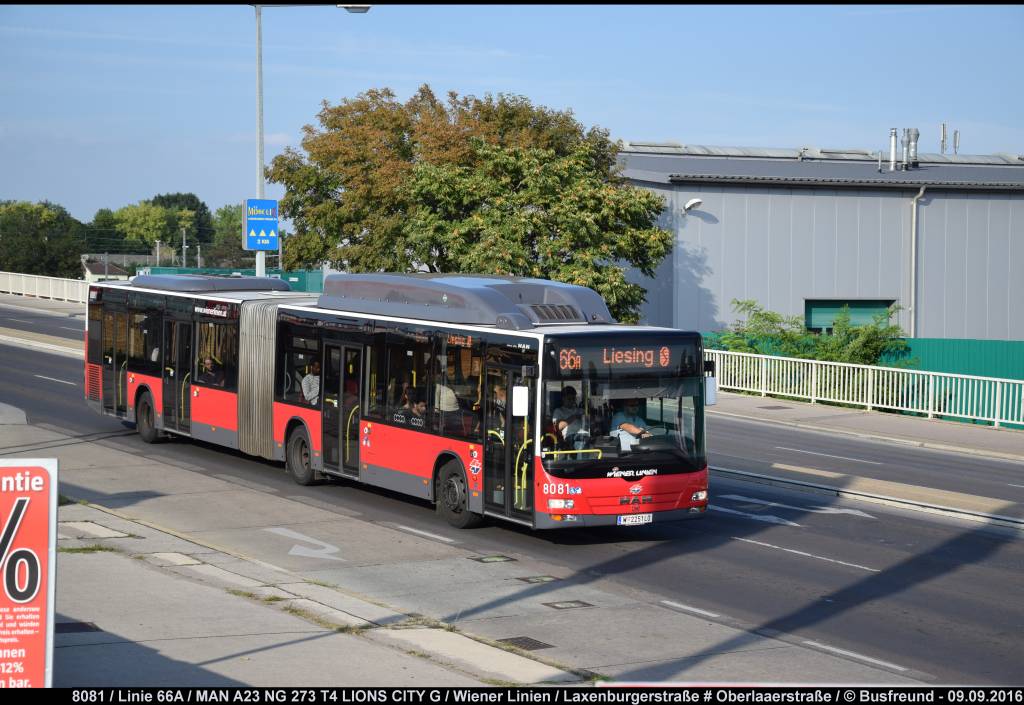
{"x":691,"y":204}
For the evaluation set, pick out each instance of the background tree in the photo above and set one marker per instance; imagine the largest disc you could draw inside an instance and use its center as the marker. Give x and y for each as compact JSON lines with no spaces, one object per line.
{"x":375,"y":171}
{"x":102,"y":235}
{"x":40,"y":238}
{"x":226,"y":249}
{"x":144,"y":223}
{"x":201,"y":226}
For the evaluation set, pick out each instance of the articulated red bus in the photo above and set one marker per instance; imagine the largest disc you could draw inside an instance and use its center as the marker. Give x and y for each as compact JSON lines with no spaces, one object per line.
{"x":520,"y":399}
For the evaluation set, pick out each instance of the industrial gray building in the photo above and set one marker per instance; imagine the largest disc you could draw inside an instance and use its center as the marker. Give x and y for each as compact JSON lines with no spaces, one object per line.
{"x":803,"y":231}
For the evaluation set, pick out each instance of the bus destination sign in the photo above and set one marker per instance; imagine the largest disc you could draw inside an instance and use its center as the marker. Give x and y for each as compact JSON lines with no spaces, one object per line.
{"x":608,"y":356}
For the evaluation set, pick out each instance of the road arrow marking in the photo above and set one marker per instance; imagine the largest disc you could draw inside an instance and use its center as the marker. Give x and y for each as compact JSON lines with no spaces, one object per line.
{"x":756,"y":517}
{"x":816,"y":510}
{"x":325,"y":551}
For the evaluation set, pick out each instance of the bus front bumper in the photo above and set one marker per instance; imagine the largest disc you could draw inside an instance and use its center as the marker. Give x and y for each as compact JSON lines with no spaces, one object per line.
{"x":545,"y":521}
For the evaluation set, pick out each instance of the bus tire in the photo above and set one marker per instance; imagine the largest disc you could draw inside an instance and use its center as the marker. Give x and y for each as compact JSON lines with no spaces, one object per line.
{"x":145,"y":422}
{"x":453,"y":497}
{"x":299,"y":457}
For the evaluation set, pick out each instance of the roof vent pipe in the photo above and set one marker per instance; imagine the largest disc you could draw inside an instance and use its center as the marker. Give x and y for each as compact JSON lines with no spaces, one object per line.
{"x":915,"y":135}
{"x":906,"y":146}
{"x":956,"y":141}
{"x":942,"y":139}
{"x":892,"y":149}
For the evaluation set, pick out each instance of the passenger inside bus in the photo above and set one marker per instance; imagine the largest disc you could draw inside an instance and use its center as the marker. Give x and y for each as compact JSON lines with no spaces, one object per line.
{"x":211,"y":373}
{"x":311,"y":384}
{"x":415,"y":409}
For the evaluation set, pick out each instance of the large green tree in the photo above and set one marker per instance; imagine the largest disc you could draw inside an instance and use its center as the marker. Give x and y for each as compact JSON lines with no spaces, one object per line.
{"x":439,"y":184}
{"x":144,"y":223}
{"x":40,"y":238}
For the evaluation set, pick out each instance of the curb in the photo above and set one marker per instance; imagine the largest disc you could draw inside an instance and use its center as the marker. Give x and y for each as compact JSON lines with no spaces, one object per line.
{"x":758,"y":478}
{"x":876,"y":437}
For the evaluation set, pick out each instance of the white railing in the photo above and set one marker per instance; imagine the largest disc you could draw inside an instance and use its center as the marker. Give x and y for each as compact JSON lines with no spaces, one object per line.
{"x":989,"y":399}
{"x":44,"y":287}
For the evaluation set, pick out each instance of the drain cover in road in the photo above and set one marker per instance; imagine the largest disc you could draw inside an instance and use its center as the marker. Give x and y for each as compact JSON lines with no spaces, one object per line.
{"x":567,"y":605}
{"x":491,"y":559}
{"x":774,"y":408}
{"x":533,"y":579}
{"x":525,"y":643}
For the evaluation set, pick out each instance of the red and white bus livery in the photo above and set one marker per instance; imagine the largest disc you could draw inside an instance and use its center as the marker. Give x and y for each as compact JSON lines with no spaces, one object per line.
{"x":520,"y":399}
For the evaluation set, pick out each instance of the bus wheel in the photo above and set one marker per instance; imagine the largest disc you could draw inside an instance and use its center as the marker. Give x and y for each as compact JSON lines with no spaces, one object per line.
{"x":144,"y":421}
{"x":299,"y":458}
{"x":453,"y":498}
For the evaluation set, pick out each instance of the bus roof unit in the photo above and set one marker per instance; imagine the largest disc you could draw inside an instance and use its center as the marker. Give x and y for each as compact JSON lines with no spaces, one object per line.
{"x":206,"y":283}
{"x":512,"y":303}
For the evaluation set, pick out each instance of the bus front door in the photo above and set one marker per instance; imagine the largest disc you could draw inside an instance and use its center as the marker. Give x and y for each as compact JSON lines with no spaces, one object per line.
{"x":115,"y":362}
{"x":508,"y":448}
{"x":177,"y":375}
{"x":342,"y":367}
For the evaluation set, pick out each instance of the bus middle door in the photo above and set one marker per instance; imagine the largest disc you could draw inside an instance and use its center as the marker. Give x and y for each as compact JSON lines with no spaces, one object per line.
{"x":341,"y":370}
{"x":177,"y":375}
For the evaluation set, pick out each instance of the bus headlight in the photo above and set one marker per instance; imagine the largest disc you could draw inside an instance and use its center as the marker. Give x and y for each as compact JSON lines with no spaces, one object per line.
{"x":699,"y":496}
{"x":560,"y":504}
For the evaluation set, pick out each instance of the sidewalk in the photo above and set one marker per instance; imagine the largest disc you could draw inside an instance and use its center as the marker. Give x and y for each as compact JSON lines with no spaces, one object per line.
{"x":188,"y":578}
{"x":899,"y":428}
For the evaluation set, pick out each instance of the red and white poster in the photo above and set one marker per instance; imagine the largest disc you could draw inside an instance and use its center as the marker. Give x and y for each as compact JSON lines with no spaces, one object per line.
{"x":28,"y":544}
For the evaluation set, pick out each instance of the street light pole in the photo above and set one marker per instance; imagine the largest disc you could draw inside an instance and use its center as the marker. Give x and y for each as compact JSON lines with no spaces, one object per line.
{"x":261,"y":256}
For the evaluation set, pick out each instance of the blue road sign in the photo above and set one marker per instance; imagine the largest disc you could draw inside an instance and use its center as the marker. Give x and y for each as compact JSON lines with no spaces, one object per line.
{"x":260,"y":224}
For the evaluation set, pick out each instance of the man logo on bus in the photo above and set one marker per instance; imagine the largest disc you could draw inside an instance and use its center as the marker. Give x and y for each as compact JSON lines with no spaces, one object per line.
{"x":570,"y":360}
{"x":664,"y":357}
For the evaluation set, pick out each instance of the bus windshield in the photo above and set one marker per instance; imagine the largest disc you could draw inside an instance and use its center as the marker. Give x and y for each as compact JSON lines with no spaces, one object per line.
{"x":607,"y":403}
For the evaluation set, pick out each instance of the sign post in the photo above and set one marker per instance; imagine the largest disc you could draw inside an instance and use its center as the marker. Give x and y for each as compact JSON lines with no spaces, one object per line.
{"x":261,"y":230}
{"x":28,"y":547}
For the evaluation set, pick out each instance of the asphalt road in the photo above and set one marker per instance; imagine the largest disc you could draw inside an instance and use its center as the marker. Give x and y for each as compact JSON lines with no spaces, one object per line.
{"x":24,"y":318}
{"x":934,"y":595}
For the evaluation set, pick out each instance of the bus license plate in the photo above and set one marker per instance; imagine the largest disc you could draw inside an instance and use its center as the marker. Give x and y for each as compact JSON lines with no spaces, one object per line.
{"x":634,"y":519}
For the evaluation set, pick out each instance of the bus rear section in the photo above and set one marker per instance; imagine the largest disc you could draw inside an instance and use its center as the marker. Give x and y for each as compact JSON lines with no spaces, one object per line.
{"x":622,"y":433}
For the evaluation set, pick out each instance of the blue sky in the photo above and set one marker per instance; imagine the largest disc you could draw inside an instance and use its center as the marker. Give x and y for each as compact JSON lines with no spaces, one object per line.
{"x":105,"y":105}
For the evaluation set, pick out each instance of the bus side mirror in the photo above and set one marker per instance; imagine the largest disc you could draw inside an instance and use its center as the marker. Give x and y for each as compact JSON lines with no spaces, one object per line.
{"x":520,"y":401}
{"x":710,"y":391}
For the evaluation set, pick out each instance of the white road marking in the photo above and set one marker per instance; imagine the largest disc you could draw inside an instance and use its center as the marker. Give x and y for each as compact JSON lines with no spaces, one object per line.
{"x":55,"y":380}
{"x":429,"y":535}
{"x":21,"y":320}
{"x":1022,"y":486}
{"x":771,"y":519}
{"x":851,"y":654}
{"x":325,"y":551}
{"x":808,"y":555}
{"x":687,"y":608}
{"x":840,"y":457}
{"x":816,"y":510}
{"x":77,"y":330}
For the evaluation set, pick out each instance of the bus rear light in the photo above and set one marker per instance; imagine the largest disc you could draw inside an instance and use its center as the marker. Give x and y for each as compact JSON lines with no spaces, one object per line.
{"x":699,"y":496}
{"x":560,"y":504}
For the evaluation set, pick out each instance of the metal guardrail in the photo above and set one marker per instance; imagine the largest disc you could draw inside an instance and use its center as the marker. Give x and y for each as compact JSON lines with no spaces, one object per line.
{"x":44,"y":287}
{"x":988,"y":399}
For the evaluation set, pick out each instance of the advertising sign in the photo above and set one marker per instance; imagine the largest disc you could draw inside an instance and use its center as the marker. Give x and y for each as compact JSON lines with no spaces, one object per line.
{"x":28,"y":540}
{"x":260,"y":224}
